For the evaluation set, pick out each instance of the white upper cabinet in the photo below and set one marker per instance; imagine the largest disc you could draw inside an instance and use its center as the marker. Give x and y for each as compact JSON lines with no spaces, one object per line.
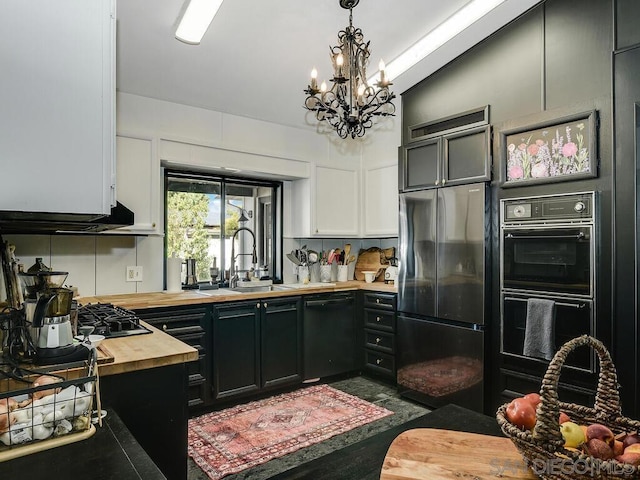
{"x":326,"y":204}
{"x":139,"y":183}
{"x":380,"y":207}
{"x":57,"y":90}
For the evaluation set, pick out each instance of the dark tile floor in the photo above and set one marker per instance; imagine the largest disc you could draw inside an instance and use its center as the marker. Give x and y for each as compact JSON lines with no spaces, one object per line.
{"x":369,"y":389}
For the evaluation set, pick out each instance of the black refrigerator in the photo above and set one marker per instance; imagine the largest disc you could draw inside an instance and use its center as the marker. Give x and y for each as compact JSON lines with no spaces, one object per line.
{"x":442,"y":295}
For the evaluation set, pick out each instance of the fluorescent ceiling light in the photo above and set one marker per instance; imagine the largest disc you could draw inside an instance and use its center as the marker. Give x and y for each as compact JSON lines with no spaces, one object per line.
{"x":444,"y":32}
{"x":196,"y":20}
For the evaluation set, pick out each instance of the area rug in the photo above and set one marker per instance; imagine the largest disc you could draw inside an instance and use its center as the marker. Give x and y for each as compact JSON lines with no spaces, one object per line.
{"x":243,"y":436}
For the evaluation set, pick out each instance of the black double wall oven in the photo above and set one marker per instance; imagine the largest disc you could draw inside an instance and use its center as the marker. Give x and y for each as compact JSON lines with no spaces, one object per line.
{"x":547,"y":267}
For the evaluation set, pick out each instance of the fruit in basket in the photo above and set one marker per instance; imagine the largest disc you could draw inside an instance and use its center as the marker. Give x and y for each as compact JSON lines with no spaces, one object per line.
{"x":533,"y":399}
{"x":631,"y":458}
{"x":600,"y":432}
{"x":630,"y":439}
{"x":572,"y":433}
{"x":634,"y":448}
{"x":7,"y":418}
{"x":563,"y":418}
{"x":618,"y":447}
{"x":521,"y":413}
{"x":599,"y":448}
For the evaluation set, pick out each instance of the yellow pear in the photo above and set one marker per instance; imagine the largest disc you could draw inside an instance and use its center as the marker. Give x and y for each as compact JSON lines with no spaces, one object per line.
{"x":573,"y":434}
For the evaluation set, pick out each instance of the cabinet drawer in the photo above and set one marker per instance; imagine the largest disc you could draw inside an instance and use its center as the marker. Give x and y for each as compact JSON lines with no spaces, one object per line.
{"x":174,"y":322}
{"x":380,"y":320}
{"x":386,"y":301}
{"x":382,"y":341}
{"x":380,"y":362}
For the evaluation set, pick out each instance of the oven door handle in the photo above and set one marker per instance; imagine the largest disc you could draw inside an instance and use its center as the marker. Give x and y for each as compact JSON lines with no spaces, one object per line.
{"x":577,"y":236}
{"x":561,"y":304}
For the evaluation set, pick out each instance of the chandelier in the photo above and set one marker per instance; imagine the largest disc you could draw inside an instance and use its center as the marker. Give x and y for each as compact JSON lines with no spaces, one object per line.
{"x":351,"y":104}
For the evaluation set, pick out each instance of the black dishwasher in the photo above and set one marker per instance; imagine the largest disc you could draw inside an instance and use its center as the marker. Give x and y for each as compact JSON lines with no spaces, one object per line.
{"x":329,"y":335}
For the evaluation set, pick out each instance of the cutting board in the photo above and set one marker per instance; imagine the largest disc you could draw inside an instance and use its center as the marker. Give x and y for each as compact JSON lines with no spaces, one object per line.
{"x":373,"y":259}
{"x":434,"y":454}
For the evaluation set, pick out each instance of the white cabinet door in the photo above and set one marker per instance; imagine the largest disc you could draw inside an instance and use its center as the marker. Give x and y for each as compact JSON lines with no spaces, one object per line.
{"x":337,"y":206}
{"x":380,"y":207}
{"x":139,"y":183}
{"x":324,"y":205}
{"x":57,"y":90}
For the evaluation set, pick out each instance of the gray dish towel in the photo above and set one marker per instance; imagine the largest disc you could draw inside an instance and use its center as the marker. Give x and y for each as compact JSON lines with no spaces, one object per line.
{"x":539,"y":332}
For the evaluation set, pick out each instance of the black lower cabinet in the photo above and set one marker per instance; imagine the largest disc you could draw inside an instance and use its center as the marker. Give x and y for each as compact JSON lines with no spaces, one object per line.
{"x":256,"y":345}
{"x":152,"y":403}
{"x":330,"y":335}
{"x":189,"y":324}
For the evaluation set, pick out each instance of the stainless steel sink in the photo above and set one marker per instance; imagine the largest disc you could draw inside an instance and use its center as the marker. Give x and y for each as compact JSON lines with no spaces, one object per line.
{"x":217,"y":291}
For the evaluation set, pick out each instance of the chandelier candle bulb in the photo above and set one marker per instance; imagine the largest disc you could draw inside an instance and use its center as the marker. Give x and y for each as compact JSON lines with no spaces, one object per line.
{"x":314,"y":81}
{"x":382,"y":76}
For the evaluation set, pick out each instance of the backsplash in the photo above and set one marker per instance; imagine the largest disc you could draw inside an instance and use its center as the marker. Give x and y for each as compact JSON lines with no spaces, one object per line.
{"x":97,"y":263}
{"x":320,"y":244}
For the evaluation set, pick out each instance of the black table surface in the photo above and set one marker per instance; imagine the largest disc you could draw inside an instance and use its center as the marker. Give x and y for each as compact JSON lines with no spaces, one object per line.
{"x":111,"y":453}
{"x":363,"y":460}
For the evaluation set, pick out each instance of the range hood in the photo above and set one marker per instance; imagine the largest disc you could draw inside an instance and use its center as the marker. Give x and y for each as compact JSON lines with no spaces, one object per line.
{"x":49,"y":223}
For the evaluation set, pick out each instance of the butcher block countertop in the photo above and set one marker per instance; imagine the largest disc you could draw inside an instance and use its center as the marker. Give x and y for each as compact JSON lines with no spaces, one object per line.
{"x":437,"y":454}
{"x":139,"y":352}
{"x":135,"y":301}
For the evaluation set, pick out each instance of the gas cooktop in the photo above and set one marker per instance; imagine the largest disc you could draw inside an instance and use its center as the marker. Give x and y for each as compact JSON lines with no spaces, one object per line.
{"x":110,"y":320}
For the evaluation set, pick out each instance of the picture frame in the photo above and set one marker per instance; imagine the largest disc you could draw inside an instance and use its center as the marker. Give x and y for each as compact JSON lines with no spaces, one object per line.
{"x":555,"y":149}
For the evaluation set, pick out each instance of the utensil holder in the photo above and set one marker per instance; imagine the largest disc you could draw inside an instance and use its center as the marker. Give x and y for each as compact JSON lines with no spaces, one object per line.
{"x":314,"y":273}
{"x":303,"y":274}
{"x":325,"y":273}
{"x":343,"y":273}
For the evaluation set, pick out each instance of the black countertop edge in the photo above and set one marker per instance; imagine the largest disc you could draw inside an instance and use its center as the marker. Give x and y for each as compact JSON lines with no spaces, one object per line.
{"x":112,"y":452}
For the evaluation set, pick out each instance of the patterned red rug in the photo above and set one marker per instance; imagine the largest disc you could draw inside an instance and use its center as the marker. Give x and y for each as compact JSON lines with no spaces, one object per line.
{"x":243,"y":436}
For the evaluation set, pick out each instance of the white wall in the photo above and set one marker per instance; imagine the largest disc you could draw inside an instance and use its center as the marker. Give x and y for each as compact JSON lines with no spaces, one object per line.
{"x":198,"y":138}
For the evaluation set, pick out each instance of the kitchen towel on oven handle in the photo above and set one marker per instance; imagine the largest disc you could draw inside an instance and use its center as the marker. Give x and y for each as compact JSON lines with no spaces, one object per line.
{"x":539,"y":331}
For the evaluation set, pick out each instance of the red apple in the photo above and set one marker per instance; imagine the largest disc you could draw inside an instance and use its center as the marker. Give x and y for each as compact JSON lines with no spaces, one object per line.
{"x":521,"y":413}
{"x":533,"y":399}
{"x":563,"y":418}
{"x":600,"y":432}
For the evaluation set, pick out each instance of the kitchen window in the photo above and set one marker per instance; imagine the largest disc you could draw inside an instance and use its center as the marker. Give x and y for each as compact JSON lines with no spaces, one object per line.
{"x":210,"y":217}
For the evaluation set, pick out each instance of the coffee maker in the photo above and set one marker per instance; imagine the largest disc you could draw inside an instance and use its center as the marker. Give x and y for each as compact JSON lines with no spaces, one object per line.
{"x":47,"y":309}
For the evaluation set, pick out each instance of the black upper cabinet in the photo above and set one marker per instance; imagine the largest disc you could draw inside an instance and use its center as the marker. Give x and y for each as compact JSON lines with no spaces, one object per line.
{"x":450,"y":159}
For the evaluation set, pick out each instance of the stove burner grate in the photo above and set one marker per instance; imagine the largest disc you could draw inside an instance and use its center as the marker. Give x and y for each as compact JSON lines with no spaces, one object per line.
{"x":110,"y":320}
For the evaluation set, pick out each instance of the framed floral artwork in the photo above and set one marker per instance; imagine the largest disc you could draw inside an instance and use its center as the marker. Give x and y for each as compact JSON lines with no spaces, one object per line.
{"x":554,"y":150}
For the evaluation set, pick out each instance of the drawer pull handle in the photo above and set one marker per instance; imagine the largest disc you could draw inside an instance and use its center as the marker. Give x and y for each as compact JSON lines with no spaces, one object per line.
{"x":377,"y":340}
{"x":377,"y":300}
{"x":164,"y":327}
{"x":264,"y":304}
{"x":378,"y":361}
{"x":378,"y":319}
{"x":258,"y":305}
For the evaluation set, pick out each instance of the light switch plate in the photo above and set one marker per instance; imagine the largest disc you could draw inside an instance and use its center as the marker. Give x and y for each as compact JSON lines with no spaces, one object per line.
{"x":134,"y":274}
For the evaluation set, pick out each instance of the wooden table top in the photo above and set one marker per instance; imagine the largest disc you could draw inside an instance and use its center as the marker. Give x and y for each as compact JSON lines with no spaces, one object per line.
{"x":435,"y":454}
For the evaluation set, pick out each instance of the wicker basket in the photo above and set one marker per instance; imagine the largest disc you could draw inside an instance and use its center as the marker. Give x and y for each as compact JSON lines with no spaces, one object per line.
{"x":543,"y":448}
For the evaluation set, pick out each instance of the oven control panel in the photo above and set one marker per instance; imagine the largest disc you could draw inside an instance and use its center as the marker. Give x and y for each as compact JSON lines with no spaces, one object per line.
{"x":570,"y":207}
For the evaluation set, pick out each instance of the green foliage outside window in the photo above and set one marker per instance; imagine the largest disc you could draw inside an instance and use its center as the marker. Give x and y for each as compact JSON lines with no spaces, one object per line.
{"x":186,"y":233}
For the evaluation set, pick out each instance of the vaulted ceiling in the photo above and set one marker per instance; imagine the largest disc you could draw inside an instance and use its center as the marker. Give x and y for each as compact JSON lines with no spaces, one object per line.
{"x":255,"y":59}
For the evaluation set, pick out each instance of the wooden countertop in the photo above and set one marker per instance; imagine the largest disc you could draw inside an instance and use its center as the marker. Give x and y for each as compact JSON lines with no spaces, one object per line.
{"x":139,"y":352}
{"x":135,"y":301}
{"x":435,"y":454}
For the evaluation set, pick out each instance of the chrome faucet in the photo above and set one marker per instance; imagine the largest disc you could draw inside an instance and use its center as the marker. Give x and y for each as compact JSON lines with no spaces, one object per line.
{"x":233,"y":275}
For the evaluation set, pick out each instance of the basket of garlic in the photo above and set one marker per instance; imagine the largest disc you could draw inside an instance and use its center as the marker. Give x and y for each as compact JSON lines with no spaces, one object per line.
{"x":45,"y":408}
{"x":565,"y":441}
